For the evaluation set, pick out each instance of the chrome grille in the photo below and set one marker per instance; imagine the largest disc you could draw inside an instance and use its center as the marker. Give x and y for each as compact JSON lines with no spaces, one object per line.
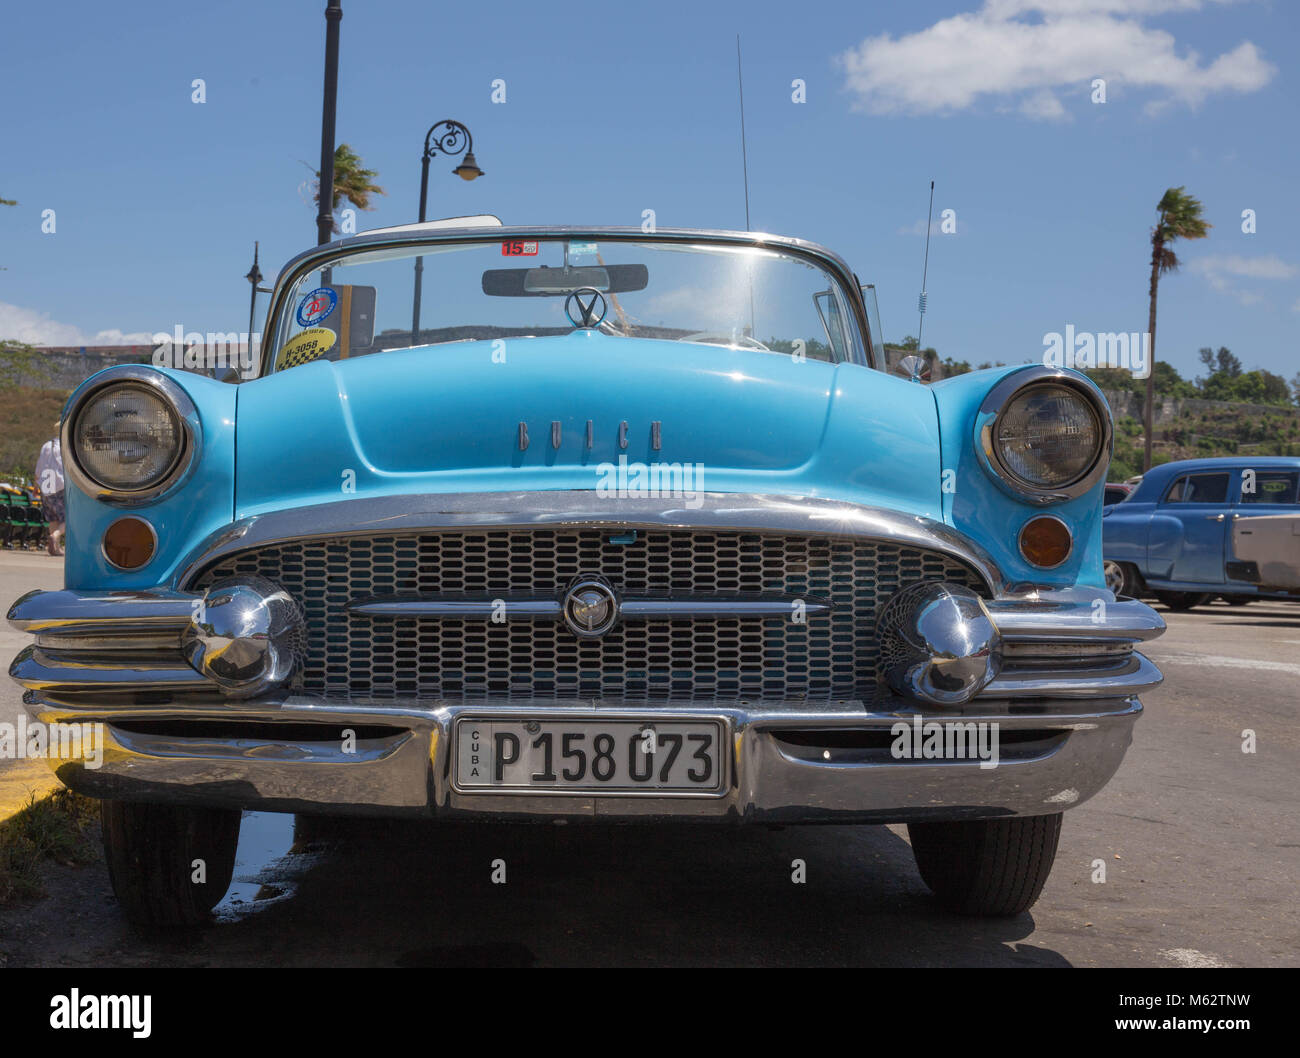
{"x":833,"y":656}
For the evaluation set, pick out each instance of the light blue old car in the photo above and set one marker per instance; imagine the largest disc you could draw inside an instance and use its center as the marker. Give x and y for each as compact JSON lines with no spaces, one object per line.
{"x":600,"y":525}
{"x":1197,"y":528}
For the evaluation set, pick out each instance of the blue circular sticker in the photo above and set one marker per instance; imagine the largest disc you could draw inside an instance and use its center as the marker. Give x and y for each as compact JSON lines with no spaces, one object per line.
{"x":316,"y":306}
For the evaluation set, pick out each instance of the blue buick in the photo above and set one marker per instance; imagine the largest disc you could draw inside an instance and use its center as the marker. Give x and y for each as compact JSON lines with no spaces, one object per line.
{"x":563,"y":524}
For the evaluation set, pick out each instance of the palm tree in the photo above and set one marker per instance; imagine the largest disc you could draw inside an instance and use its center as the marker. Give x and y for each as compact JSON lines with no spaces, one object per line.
{"x":352,"y":181}
{"x":1180,"y":218}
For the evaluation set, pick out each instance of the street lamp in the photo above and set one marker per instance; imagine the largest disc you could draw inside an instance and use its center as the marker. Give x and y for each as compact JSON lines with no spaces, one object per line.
{"x":452,"y":140}
{"x":254,"y":277}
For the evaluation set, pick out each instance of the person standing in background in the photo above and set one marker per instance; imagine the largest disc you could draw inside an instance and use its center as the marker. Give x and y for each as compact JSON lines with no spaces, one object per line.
{"x":49,"y":479}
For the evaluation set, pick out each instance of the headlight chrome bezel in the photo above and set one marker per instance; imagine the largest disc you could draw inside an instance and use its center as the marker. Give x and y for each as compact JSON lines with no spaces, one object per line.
{"x":995,"y":404}
{"x":182,"y":407}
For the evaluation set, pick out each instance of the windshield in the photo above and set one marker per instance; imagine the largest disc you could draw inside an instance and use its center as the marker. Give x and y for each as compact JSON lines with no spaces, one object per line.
{"x":712,"y":295}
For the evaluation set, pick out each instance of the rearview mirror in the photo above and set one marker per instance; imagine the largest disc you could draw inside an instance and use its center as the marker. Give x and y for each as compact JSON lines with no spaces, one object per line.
{"x":552,"y":282}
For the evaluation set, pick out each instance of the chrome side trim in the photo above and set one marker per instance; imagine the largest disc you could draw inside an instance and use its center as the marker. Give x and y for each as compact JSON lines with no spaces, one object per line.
{"x":510,"y":608}
{"x":1105,"y":678}
{"x":807,"y":516}
{"x":1074,"y":613}
{"x":58,"y":672}
{"x":87,"y":613}
{"x":515,"y":608}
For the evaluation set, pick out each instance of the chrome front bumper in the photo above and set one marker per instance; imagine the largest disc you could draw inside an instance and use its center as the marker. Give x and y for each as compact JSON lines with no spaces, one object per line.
{"x":784,"y":764}
{"x":1064,"y":705}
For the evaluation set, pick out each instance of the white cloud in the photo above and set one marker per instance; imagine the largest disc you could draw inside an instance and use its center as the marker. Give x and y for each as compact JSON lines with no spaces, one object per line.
{"x":37,"y":328}
{"x":1222,"y":271}
{"x":1024,"y":52}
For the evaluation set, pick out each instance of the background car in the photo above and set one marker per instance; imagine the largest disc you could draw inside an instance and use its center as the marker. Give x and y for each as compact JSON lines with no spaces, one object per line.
{"x":1116,"y":492}
{"x":1203,"y":527}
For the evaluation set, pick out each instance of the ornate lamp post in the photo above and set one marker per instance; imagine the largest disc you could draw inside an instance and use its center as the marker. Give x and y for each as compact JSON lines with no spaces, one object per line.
{"x":254,"y":277}
{"x":452,"y":139}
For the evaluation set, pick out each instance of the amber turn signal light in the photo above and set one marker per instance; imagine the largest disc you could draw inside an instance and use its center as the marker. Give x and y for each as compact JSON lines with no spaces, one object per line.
{"x":129,"y":543}
{"x":1045,"y":541}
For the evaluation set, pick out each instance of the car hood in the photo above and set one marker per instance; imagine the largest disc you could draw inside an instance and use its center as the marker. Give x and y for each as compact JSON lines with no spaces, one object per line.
{"x":448,"y":418}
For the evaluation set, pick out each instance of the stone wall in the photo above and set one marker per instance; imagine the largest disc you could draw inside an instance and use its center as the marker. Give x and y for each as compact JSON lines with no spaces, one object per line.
{"x":1124,"y":403}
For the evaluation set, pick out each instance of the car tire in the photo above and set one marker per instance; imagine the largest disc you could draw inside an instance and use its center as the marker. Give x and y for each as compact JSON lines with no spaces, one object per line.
{"x":992,"y":867}
{"x":1121,"y":578}
{"x":1182,"y":600}
{"x":1236,"y":600}
{"x":151,"y":851}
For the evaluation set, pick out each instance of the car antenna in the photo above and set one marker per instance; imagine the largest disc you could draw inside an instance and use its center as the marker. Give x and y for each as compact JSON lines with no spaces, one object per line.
{"x":925,"y":269}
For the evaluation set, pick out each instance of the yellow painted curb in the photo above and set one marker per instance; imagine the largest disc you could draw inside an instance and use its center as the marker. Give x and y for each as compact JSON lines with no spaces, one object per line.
{"x":19,"y":781}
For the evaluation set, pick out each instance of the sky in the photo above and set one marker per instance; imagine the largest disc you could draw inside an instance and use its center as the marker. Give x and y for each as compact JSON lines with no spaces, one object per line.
{"x":613,"y":109}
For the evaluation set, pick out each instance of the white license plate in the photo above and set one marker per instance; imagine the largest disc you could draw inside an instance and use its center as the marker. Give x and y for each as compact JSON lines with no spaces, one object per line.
{"x":589,"y":756}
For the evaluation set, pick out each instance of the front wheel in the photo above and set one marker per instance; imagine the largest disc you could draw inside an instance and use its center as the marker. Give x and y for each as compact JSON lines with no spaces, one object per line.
{"x":993,"y":867}
{"x":1120,"y":578}
{"x":1182,"y":600}
{"x":169,"y":865}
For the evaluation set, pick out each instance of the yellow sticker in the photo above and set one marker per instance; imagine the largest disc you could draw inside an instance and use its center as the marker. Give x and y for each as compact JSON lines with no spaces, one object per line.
{"x":310,"y":345}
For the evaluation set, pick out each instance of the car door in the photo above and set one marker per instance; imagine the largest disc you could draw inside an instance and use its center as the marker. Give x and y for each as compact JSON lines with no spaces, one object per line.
{"x":1200,"y":502}
{"x":1265,"y":493}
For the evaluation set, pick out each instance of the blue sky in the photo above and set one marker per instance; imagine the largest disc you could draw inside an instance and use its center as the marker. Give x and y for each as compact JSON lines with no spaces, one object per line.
{"x":614,"y":109}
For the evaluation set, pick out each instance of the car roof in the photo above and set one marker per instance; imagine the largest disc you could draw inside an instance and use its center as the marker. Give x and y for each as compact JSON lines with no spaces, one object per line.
{"x":1184,"y":466}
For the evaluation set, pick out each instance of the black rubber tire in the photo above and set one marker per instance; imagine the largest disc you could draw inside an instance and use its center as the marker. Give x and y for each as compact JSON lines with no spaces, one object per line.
{"x":1236,"y":600}
{"x":1182,"y":600}
{"x":151,"y":851}
{"x":992,"y":867}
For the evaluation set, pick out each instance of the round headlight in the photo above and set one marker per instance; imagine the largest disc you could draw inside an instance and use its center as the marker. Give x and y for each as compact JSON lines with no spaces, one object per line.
{"x":1048,"y":436}
{"x":127,"y":437}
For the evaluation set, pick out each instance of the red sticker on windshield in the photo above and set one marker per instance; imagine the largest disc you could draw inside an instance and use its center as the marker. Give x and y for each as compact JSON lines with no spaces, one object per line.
{"x":517,"y":248}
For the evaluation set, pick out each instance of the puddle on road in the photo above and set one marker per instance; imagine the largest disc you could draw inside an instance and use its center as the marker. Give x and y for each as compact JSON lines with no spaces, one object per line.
{"x":267,"y":865}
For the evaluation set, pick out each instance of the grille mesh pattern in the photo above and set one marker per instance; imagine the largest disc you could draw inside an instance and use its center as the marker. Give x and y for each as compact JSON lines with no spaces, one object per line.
{"x":828,"y":657}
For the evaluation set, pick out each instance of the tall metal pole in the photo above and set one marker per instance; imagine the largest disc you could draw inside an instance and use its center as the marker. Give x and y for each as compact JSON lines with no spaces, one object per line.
{"x":254,"y":277}
{"x":325,"y":213}
{"x":419,"y":261}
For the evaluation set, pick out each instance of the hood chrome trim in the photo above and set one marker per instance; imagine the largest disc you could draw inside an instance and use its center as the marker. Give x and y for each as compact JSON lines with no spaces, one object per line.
{"x":791,"y":515}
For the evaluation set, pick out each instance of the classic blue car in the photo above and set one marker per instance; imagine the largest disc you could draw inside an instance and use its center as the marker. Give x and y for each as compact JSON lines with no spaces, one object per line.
{"x":1185,"y":534}
{"x":600,"y":524}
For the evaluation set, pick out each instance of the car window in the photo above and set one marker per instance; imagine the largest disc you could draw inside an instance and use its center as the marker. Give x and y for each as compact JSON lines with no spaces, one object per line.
{"x":1199,"y":488}
{"x":1271,"y":486}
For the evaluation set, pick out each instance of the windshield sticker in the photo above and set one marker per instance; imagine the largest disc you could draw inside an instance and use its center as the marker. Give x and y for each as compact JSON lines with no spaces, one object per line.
{"x":518,"y":248}
{"x":577,"y":249}
{"x":316,"y":306}
{"x":305,"y":347}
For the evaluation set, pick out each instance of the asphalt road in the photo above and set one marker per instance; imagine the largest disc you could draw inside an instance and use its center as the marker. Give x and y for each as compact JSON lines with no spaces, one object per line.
{"x":1199,"y":839}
